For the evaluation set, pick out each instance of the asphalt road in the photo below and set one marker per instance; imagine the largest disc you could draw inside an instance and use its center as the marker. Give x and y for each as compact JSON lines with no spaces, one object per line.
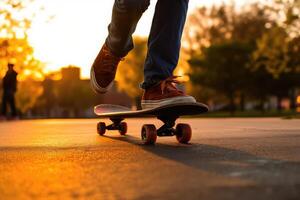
{"x":227,"y":159}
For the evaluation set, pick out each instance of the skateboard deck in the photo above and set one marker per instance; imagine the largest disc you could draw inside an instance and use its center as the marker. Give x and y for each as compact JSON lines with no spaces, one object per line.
{"x":179,"y":109}
{"x":168,"y":114}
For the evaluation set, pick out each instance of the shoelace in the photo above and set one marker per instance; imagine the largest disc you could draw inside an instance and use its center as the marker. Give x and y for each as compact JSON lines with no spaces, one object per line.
{"x":172,"y":80}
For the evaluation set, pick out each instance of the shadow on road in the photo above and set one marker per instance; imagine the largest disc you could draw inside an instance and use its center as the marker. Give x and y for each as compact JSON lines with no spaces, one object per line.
{"x":224,"y":161}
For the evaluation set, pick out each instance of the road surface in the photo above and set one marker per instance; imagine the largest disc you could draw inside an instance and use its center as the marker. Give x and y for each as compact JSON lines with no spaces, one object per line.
{"x":227,"y":159}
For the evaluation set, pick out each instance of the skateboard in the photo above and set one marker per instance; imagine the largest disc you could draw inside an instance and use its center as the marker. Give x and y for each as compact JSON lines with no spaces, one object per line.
{"x":168,"y":114}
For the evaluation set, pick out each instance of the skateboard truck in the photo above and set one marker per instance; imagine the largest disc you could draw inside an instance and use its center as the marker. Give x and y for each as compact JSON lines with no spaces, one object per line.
{"x":167,"y":129}
{"x":117,"y":124}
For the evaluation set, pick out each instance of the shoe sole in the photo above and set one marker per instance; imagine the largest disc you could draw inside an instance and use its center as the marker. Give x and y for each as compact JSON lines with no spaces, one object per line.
{"x":95,"y":86}
{"x":149,"y":104}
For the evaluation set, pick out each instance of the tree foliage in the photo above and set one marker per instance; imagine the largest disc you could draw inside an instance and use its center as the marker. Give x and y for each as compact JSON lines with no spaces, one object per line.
{"x":15,"y":21}
{"x":287,"y":14}
{"x":249,"y":51}
{"x":14,"y":18}
{"x":27,"y":95}
{"x":222,"y":68}
{"x":130,"y":71}
{"x":278,"y":47}
{"x":272,"y":52}
{"x":208,"y":26}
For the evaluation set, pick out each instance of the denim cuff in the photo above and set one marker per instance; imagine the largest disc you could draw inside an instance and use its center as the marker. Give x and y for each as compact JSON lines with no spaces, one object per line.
{"x":150,"y":83}
{"x":120,"y":54}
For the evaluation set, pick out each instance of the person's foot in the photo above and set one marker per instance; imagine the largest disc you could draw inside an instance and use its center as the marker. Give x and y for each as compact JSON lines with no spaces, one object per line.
{"x":103,"y":70}
{"x":165,"y":93}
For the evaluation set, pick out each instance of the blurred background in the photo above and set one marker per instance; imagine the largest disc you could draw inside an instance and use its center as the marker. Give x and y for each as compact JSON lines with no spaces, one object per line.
{"x":242,"y":58}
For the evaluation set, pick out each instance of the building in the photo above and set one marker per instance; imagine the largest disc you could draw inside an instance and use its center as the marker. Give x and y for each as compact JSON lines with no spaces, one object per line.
{"x":72,"y":96}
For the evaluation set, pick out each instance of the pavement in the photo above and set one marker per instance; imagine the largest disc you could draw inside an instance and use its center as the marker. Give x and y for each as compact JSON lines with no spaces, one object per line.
{"x":256,"y":158}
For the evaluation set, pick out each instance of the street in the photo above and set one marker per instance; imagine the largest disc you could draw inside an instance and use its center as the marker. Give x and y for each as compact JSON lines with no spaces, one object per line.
{"x":255,"y":158}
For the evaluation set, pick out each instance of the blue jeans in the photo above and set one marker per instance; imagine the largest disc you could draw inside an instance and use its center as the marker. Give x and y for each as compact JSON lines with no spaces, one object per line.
{"x":164,"y":39}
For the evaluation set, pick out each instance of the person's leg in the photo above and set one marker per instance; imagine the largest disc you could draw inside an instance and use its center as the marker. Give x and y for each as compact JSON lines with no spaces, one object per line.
{"x":4,"y":102}
{"x":164,"y":40}
{"x":163,"y":54}
{"x":11,"y":101}
{"x":125,"y":16}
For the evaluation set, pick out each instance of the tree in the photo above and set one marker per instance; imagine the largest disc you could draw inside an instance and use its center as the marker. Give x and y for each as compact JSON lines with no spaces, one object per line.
{"x":28,"y":92}
{"x":19,"y":52}
{"x":216,"y":25}
{"x":14,"y":19}
{"x":271,"y":33}
{"x":223,"y":33}
{"x":287,"y":14}
{"x":47,"y":101}
{"x":278,"y":54}
{"x":15,"y":48}
{"x":272,"y":52}
{"x":294,"y":61}
{"x":71,"y":93}
{"x":130,"y":71}
{"x":223,"y":68}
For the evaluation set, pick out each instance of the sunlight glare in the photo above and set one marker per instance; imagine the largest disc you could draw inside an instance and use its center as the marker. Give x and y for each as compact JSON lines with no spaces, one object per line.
{"x":76,"y":33}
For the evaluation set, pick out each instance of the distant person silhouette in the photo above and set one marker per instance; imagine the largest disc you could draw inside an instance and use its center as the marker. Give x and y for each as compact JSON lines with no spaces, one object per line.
{"x":163,"y":49}
{"x":9,"y":84}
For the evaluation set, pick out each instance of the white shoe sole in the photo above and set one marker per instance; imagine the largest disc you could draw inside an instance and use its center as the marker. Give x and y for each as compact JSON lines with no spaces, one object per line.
{"x":95,"y":86}
{"x":149,"y":104}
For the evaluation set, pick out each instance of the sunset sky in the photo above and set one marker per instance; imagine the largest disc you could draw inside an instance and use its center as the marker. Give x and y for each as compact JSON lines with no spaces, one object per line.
{"x":76,"y":33}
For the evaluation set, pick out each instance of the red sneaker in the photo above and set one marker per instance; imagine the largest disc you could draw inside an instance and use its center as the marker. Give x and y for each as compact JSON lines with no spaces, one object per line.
{"x":103,"y":70}
{"x":165,"y":93}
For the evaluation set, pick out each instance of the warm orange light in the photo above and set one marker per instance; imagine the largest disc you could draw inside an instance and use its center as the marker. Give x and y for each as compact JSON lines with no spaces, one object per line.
{"x":182,"y":76}
{"x":75,"y":34}
{"x":298,"y":100}
{"x":298,"y":104}
{"x":35,"y":75}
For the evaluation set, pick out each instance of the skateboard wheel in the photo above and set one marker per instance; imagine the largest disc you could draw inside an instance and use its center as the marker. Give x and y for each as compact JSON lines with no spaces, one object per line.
{"x":149,"y":134}
{"x":101,"y":128}
{"x":183,"y":133}
{"x":123,"y":128}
